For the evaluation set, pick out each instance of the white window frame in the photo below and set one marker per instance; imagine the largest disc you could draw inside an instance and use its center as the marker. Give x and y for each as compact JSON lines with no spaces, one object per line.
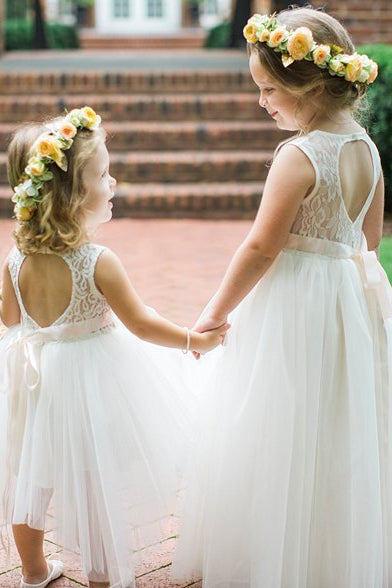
{"x":210,"y":7}
{"x":155,"y":8}
{"x":121,"y":8}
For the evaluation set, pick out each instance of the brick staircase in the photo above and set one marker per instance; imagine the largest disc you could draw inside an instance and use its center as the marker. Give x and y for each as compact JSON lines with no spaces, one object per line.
{"x":192,"y":39}
{"x":182,"y":144}
{"x":369,"y":21}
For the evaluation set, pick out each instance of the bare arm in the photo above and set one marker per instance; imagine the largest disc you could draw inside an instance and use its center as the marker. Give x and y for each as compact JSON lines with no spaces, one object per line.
{"x":112,"y":280}
{"x":373,"y":222}
{"x":9,"y":307}
{"x":290,"y":179}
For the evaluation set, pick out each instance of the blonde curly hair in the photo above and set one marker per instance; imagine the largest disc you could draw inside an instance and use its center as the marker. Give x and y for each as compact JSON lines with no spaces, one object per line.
{"x":57,"y":224}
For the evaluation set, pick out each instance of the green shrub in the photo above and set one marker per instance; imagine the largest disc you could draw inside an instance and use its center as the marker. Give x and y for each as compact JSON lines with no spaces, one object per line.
{"x":379,"y":121}
{"x":62,"y":36}
{"x":386,"y":256}
{"x":219,"y":36}
{"x":19,"y":35}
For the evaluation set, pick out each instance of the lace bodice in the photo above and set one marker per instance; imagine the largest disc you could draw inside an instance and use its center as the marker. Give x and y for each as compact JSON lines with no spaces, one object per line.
{"x":86,"y":302}
{"x":322,"y":213}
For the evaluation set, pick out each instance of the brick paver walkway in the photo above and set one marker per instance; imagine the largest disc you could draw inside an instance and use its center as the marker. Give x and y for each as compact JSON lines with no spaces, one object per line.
{"x":175,"y":266}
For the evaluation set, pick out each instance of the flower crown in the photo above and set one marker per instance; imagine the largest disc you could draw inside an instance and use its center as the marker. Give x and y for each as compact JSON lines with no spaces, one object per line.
{"x":298,"y":44}
{"x":48,"y":149}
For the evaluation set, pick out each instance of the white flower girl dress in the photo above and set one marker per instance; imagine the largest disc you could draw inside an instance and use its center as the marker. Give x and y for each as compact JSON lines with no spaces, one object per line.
{"x":292,"y":481}
{"x":92,"y":423}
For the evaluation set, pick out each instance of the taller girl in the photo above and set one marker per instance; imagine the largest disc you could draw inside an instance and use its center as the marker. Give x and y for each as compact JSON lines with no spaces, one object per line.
{"x":296,"y":462}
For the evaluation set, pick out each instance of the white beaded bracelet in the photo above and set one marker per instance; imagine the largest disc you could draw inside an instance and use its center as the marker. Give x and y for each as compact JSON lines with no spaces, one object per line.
{"x":188,"y":341}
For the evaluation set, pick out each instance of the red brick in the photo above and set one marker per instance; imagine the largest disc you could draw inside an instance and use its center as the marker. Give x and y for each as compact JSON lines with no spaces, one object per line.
{"x":159,"y":136}
{"x":125,"y":82}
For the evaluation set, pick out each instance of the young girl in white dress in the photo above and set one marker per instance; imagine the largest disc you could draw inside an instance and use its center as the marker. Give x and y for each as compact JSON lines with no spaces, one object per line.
{"x":292,"y":484}
{"x":89,"y":420}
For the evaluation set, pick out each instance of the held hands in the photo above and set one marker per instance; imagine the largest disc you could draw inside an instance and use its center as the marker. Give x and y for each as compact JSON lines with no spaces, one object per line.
{"x":208,"y":339}
{"x":209,"y":321}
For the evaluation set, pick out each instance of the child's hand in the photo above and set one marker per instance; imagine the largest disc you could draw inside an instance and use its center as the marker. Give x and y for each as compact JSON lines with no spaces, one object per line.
{"x":203,"y":342}
{"x":207,"y":323}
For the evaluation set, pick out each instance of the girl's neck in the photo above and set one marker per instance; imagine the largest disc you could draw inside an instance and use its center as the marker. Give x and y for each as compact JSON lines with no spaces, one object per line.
{"x":340,"y":123}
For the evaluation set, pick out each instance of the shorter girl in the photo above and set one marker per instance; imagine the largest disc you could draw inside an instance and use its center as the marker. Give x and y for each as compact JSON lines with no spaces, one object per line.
{"x":93,"y":423}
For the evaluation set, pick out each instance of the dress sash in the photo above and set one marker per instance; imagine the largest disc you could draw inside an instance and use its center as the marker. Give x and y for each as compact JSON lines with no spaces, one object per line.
{"x":371,"y":272}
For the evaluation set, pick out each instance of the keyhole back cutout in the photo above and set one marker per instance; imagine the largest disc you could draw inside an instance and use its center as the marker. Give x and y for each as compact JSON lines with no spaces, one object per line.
{"x":45,"y":284}
{"x":356,"y":171}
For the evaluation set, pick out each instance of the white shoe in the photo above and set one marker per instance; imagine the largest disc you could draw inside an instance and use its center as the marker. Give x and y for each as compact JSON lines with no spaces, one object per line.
{"x":55,"y":569}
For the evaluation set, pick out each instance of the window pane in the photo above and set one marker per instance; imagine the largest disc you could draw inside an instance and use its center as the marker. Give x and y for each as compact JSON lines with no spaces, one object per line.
{"x":121,"y":8}
{"x":155,"y":8}
{"x":210,"y":7}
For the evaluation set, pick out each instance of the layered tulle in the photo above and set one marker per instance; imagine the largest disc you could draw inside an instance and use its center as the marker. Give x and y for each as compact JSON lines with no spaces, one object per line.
{"x":292,"y":474}
{"x":99,"y":439}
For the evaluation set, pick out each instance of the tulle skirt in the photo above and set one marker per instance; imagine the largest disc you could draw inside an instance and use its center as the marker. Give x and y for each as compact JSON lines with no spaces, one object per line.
{"x":291,"y":485}
{"x":99,"y":439}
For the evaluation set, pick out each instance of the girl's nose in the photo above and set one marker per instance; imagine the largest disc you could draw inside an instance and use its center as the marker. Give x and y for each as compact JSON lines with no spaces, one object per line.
{"x":262,"y":102}
{"x":113,"y":181}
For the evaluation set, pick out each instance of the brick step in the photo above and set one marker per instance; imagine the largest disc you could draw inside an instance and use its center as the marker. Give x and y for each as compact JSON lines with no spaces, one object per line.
{"x":212,"y":200}
{"x":335,"y":7}
{"x":138,"y":107}
{"x":98,"y":83}
{"x":93,"y":40}
{"x":361,"y":27}
{"x":372,"y":36}
{"x":173,"y":136}
{"x":181,"y":167}
{"x":374,"y":15}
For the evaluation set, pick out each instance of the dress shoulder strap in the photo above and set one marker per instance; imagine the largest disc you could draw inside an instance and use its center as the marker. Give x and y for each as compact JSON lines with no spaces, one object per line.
{"x":82,"y":262}
{"x":375,"y":157}
{"x":84,"y":257}
{"x":310,"y":145}
{"x":15,"y":261}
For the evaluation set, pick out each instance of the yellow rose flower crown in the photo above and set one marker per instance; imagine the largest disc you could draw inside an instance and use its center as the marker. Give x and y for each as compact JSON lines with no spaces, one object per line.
{"x":48,"y":149}
{"x":298,"y":44}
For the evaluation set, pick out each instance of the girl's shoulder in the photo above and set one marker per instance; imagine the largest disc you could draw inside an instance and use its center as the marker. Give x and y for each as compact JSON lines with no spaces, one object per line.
{"x":14,"y":259}
{"x":323,"y":147}
{"x":321,"y":138}
{"x":86,"y":250}
{"x":83,"y":259}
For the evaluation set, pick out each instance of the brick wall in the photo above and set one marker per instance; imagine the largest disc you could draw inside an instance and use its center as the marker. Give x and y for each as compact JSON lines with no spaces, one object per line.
{"x":368,"y":21}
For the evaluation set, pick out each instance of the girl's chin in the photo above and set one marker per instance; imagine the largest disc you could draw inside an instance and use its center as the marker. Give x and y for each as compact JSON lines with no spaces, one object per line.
{"x":107,"y":218}
{"x":286,"y":126}
{"x":93,"y":224}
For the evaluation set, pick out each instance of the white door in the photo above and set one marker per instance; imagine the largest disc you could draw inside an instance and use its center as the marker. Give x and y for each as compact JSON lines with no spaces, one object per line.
{"x":138,"y":17}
